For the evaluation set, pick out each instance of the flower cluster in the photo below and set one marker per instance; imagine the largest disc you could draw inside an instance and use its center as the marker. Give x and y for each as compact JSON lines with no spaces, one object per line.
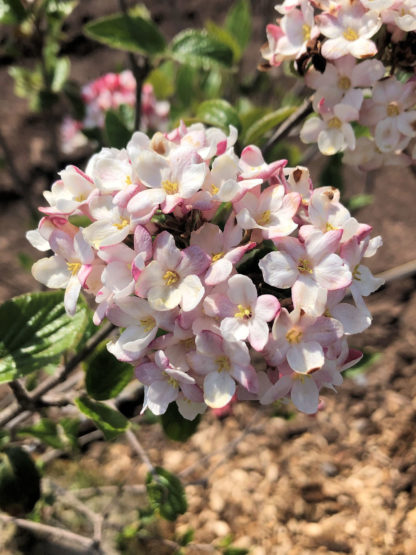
{"x":329,"y":40}
{"x":109,"y":92}
{"x":226,"y":275}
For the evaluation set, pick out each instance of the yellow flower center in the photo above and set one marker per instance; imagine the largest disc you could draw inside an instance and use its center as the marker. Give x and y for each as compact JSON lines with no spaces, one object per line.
{"x":335,"y":123}
{"x":214,"y":189}
{"x":80,"y":198}
{"x":350,"y":34}
{"x":243,"y":312}
{"x":306,"y":31}
{"x":217,"y":256}
{"x":122,"y":224}
{"x":344,"y":83}
{"x":304,"y":266}
{"x":171,"y":381}
{"x":356,"y":274}
{"x":128,"y":180}
{"x":393,"y":109}
{"x":294,"y":335}
{"x":189,"y":344}
{"x":329,"y":227}
{"x":170,"y":187}
{"x":223,"y":363}
{"x":170,"y":277}
{"x":73,"y":267}
{"x":148,"y":323}
{"x":264,"y":218}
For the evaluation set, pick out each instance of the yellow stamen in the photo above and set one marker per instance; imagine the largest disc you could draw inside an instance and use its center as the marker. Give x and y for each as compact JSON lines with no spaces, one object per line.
{"x":217,"y":256}
{"x":356,"y":274}
{"x":223,"y":363}
{"x":264,"y":218}
{"x":189,"y":344}
{"x":294,"y":335}
{"x":304,"y":266}
{"x":350,"y":34}
{"x":214,"y":189}
{"x":243,"y":312}
{"x":80,"y":198}
{"x":171,"y":381}
{"x":148,"y":323}
{"x":335,"y":123}
{"x":74,"y":267}
{"x":344,"y":83}
{"x":327,"y":313}
{"x":170,"y":187}
{"x":170,"y":277}
{"x":329,"y":227}
{"x":128,"y":180}
{"x":393,"y":109}
{"x":306,"y":31}
{"x":121,"y":225}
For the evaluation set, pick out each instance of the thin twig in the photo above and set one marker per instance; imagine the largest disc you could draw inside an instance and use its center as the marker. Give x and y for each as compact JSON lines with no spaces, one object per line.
{"x":284,"y":129}
{"x":137,"y":447}
{"x":46,"y":530}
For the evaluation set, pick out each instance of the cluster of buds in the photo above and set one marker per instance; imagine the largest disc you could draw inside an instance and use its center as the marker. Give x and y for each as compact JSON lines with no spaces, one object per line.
{"x":225,"y":274}
{"x":329,"y":40}
{"x":109,"y":92}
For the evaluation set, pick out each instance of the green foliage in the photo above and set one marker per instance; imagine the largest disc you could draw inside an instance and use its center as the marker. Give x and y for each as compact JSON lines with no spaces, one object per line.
{"x":105,"y":376}
{"x":359,"y":201}
{"x":58,"y":435}
{"x":256,"y":132}
{"x":332,"y":173}
{"x":19,"y":481}
{"x":35,"y":330}
{"x":12,"y":12}
{"x":185,"y":84}
{"x":218,"y":113}
{"x":60,"y":74}
{"x":238,"y":22}
{"x":132,"y":33}
{"x":162,"y":79}
{"x":222,"y":35}
{"x":199,"y":49}
{"x":111,"y":422}
{"x":177,"y":427}
{"x":166,"y":494}
{"x":361,"y":367}
{"x":235,"y":551}
{"x":118,"y":134}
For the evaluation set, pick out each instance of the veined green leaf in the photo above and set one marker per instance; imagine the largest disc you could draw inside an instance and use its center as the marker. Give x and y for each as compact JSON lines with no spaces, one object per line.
{"x":133,"y":33}
{"x":166,"y":494}
{"x":117,"y":133}
{"x":35,"y":330}
{"x":219,"y":113}
{"x":238,"y":22}
{"x":111,"y":422}
{"x":257,"y":130}
{"x":223,"y":35}
{"x":199,"y":49}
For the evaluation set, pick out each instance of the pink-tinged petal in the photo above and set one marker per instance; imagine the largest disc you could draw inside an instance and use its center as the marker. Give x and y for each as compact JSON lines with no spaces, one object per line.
{"x":150,"y":168}
{"x":363,"y":48}
{"x":236,"y":254}
{"x":267,"y":307}
{"x":52,"y":272}
{"x":84,"y":274}
{"x":72,"y":292}
{"x":217,"y":305}
{"x":319,"y":245}
{"x":324,"y":331}
{"x":280,"y":389}
{"x":387,"y":135}
{"x":365,"y":281}
{"x":279,"y":269}
{"x":202,"y":364}
{"x":241,"y":290}
{"x":332,"y":273}
{"x":159,"y":395}
{"x":367,"y":73}
{"x":163,"y":297}
{"x":144,"y":203}
{"x":151,"y":275}
{"x":147,"y":373}
{"x":234,"y":329}
{"x":192,"y":291}
{"x":209,"y":344}
{"x":218,"y":272}
{"x":192,"y":179}
{"x":330,"y":141}
{"x":143,"y":242}
{"x":311,"y":129}
{"x":83,"y":249}
{"x":258,"y":333}
{"x":406,"y":123}
{"x":306,"y":357}
{"x":335,"y":48}
{"x":165,"y":251}
{"x":352,"y":319}
{"x":247,"y":377}
{"x":219,"y":388}
{"x":194,"y":261}
{"x":309,"y":296}
{"x":305,"y":395}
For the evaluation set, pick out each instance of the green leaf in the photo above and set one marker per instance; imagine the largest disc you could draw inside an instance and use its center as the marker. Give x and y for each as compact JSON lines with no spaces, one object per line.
{"x":60,"y":9}
{"x":185,"y":82}
{"x":72,"y":91}
{"x":238,"y":22}
{"x":256,"y":132}
{"x":26,"y":82}
{"x":332,"y":173}
{"x":224,"y":36}
{"x":359,"y":201}
{"x":177,"y":427}
{"x":110,"y":421}
{"x":105,"y":375}
{"x":199,"y":49}
{"x":162,"y":79}
{"x":166,"y":494}
{"x":35,"y":330}
{"x":61,"y":74}
{"x":219,"y":113}
{"x":363,"y":365}
{"x":235,"y":551}
{"x":46,"y":430}
{"x":132,"y":33}
{"x":117,"y":133}
{"x":19,"y":481}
